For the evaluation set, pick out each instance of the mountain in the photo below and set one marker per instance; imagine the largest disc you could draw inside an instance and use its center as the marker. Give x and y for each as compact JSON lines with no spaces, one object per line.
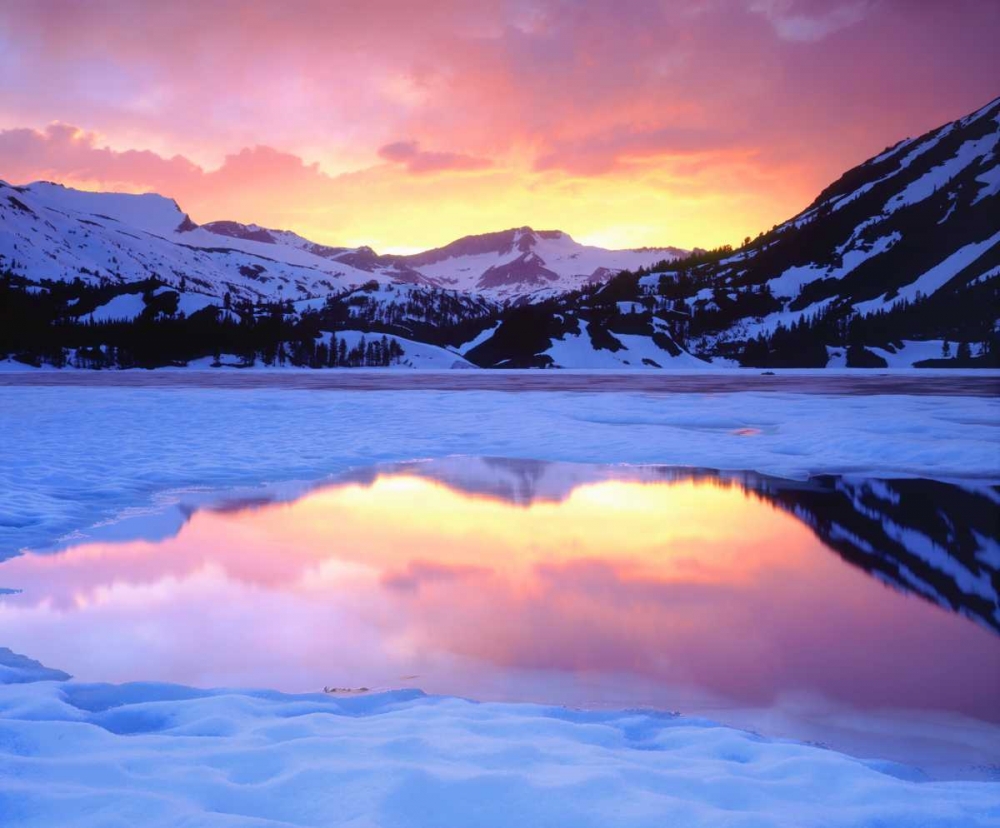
{"x":508,"y":264}
{"x":921,"y":219}
{"x":545,"y":262}
{"x":50,"y":232}
{"x":889,"y":265}
{"x":895,"y":264}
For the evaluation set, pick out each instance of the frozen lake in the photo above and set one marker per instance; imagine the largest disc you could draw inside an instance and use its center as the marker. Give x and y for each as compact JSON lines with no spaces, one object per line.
{"x":854,"y":612}
{"x":250,"y":529}
{"x":921,"y":382}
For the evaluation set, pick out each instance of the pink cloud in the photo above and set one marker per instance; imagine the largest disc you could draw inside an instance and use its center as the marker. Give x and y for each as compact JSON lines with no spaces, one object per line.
{"x":65,"y":152}
{"x":417,"y":160}
{"x":548,"y":88}
{"x":68,"y":153}
{"x":805,"y":21}
{"x":208,"y":78}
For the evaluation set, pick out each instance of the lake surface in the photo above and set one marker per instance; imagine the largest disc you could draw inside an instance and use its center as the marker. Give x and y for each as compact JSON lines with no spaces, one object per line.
{"x":859,"y":613}
{"x":854,"y":382}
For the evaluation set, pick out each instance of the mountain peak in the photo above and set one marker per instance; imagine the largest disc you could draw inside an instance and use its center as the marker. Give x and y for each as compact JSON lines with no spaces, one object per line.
{"x":151,"y":212}
{"x":235,"y":230}
{"x":132,"y":237}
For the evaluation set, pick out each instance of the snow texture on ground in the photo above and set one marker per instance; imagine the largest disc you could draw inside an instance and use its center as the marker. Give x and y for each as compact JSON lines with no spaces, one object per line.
{"x":578,"y":351}
{"x":125,"y":307}
{"x":165,"y":755}
{"x":415,"y":354}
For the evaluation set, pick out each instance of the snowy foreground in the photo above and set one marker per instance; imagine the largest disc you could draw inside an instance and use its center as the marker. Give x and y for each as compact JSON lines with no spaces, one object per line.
{"x":159,"y":755}
{"x":92,"y":461}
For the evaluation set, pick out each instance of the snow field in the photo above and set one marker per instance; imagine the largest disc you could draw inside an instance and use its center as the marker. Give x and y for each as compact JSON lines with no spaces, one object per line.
{"x":415,"y":354}
{"x":164,"y":755}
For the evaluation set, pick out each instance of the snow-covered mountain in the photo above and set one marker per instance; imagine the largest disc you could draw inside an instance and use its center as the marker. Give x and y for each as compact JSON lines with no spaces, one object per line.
{"x":48,"y":231}
{"x":921,"y":219}
{"x":515,"y":262}
{"x":52,"y":232}
{"x":889,"y":263}
{"x":894,"y":264}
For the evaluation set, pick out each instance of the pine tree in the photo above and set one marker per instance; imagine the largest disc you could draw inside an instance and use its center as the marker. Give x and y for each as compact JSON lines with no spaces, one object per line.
{"x":321,"y":356}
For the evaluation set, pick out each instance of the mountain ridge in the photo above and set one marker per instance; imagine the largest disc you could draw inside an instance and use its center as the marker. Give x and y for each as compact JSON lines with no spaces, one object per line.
{"x":903,"y":249}
{"x":891,"y":263}
{"x":43,"y":215}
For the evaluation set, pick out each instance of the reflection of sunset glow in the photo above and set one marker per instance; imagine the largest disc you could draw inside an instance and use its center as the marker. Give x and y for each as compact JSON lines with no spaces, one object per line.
{"x":399,"y":519}
{"x":683,"y":584}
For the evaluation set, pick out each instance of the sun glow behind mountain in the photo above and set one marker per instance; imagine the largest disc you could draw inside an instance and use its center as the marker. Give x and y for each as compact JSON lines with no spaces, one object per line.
{"x":404,"y":126}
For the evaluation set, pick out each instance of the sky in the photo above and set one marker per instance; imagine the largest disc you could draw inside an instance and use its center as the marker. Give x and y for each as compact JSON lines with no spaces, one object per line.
{"x":404,"y":125}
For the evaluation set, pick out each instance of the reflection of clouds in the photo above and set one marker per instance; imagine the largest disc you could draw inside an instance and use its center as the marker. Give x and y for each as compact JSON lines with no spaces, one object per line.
{"x":685,"y":583}
{"x":419,"y":573}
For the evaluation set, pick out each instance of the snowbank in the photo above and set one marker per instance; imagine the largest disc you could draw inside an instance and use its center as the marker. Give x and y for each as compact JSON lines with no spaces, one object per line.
{"x":578,"y":351}
{"x":912,"y":351}
{"x":191,"y":303}
{"x":159,"y":755}
{"x":415,"y":354}
{"x":18,"y":669}
{"x":125,"y":307}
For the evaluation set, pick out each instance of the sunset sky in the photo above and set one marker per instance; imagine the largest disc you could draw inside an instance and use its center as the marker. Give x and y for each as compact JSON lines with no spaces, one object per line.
{"x":404,"y":125}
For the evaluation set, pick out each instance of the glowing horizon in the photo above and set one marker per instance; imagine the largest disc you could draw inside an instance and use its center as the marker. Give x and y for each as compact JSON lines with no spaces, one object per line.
{"x":404,"y":126}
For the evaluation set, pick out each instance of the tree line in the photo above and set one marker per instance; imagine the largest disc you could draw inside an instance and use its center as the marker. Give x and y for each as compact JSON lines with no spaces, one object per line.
{"x":52,"y":325}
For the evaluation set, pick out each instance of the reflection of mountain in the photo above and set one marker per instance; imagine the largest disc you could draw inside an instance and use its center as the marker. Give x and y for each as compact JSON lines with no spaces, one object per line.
{"x":520,"y":481}
{"x":938,"y":540}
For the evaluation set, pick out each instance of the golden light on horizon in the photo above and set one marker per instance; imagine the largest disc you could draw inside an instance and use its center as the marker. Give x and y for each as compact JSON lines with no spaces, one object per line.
{"x":428,"y":124}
